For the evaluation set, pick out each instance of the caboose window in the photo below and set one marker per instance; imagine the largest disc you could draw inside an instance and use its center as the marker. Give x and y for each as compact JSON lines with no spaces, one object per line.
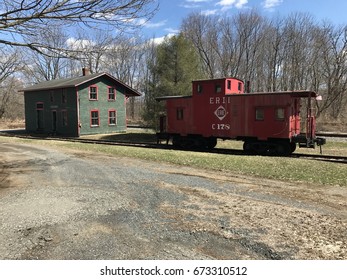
{"x":259,"y":114}
{"x":229,"y":84}
{"x":179,"y":113}
{"x":199,"y":88}
{"x":218,"y":88}
{"x":240,"y":86}
{"x":279,"y":114}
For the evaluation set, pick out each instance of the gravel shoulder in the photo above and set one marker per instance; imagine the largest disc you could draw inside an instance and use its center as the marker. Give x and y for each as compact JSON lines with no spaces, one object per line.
{"x":57,"y":203}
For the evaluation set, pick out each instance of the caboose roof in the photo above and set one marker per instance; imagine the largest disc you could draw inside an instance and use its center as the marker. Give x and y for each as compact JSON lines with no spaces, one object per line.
{"x":77,"y":81}
{"x":217,"y":79}
{"x":297,"y":93}
{"x":172,"y":97}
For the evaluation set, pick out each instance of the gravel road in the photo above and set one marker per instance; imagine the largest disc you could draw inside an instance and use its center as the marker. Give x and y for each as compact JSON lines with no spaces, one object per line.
{"x":57,"y":203}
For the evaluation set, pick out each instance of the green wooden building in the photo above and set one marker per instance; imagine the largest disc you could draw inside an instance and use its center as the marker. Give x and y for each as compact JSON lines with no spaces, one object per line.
{"x":89,"y":104}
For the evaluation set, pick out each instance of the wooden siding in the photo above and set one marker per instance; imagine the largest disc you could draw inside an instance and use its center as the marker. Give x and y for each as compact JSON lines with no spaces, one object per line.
{"x":52,"y":101}
{"x":103,"y":105}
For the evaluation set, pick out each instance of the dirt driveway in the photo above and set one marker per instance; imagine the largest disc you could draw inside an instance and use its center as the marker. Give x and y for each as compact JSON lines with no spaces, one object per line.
{"x":64,"y":204}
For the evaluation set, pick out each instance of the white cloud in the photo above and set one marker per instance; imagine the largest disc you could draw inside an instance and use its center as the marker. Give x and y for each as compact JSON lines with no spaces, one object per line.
{"x":269,"y":4}
{"x":193,"y":4}
{"x":148,"y":24}
{"x":209,"y":12}
{"x":78,"y":44}
{"x":160,"y":40}
{"x":172,"y":30}
{"x":241,"y":3}
{"x":155,"y":24}
{"x":226,"y":4}
{"x":197,"y":1}
{"x":141,"y":21}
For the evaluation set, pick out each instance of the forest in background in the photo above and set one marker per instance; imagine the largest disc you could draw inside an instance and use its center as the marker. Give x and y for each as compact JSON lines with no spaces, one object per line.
{"x":274,"y":54}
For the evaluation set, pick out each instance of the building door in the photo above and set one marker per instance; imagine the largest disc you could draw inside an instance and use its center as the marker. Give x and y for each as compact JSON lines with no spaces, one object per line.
{"x":39,"y":119}
{"x":54,"y":121}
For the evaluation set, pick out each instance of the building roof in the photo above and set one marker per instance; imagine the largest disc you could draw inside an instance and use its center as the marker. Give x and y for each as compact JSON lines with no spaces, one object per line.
{"x":77,"y":81}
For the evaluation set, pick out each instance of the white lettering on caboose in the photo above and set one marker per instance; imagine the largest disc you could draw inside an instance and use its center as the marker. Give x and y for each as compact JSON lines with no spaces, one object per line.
{"x":220,"y":100}
{"x":220,"y":126}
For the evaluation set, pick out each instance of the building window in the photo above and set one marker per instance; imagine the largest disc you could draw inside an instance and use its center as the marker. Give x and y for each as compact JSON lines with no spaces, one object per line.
{"x":179,"y":113}
{"x":51,"y":94}
{"x":112,"y":117}
{"x":64,"y":117}
{"x":111,"y":94}
{"x":93,"y":93}
{"x":63,"y":96}
{"x":259,"y":114}
{"x":94,"y":118}
{"x":39,"y":106}
{"x":279,"y":114}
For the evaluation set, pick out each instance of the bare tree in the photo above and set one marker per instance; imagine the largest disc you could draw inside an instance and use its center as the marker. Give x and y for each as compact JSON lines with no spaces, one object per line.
{"x":151,"y":80}
{"x":334,"y":71}
{"x":249,"y":28}
{"x":24,"y":18}
{"x":46,"y":65}
{"x":126,"y":61}
{"x":9,"y":64}
{"x":91,"y":48}
{"x":202,"y":31}
{"x":11,"y":101}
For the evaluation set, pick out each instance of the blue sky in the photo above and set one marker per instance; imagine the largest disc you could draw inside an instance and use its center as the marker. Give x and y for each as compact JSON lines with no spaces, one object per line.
{"x":171,"y":12}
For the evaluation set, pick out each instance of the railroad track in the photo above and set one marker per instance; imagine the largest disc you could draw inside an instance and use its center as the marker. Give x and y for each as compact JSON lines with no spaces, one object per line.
{"x":321,"y":157}
{"x":332,"y":134}
{"x":320,"y":134}
{"x":329,"y":158}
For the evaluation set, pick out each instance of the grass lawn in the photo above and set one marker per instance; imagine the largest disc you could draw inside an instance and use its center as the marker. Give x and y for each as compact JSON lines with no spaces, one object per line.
{"x":279,"y":168}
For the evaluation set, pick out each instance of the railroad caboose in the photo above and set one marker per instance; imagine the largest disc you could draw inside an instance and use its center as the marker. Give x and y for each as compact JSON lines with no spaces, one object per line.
{"x":267,"y":123}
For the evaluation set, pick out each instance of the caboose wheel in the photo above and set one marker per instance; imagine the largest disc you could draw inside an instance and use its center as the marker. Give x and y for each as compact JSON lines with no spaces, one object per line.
{"x":284,"y":149}
{"x":247,"y":147}
{"x":292,"y":147}
{"x":211,"y":142}
{"x":199,"y":144}
{"x":260,"y":148}
{"x":176,"y":142}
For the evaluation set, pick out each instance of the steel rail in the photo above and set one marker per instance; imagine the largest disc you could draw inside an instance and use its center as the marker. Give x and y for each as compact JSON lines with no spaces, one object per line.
{"x":329,"y":158}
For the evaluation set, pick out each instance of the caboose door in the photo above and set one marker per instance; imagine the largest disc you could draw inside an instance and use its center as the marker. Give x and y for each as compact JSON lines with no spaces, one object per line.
{"x":295,"y":118}
{"x":162,"y":124}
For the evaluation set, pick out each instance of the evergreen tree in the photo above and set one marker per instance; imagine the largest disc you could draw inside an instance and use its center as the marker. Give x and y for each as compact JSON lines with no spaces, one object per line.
{"x":172,"y":69}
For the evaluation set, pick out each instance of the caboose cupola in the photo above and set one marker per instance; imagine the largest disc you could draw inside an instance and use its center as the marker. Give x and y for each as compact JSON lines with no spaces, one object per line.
{"x":223,"y":86}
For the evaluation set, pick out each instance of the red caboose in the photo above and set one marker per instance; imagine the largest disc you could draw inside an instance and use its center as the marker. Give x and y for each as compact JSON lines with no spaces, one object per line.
{"x":268,"y":123}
